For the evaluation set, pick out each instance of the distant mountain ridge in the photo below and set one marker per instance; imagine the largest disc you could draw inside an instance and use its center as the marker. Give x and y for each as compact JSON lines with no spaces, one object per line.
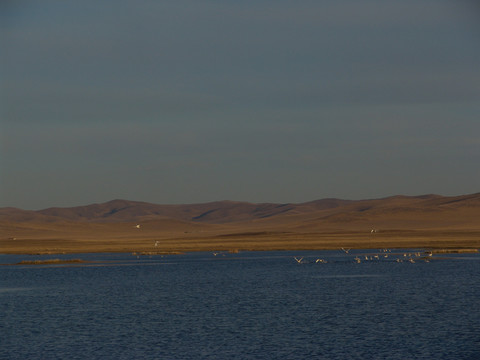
{"x":213,"y":212}
{"x":222,"y":212}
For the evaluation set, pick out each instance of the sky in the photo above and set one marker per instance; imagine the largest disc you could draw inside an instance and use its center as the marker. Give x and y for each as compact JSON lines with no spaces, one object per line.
{"x":176,"y":102}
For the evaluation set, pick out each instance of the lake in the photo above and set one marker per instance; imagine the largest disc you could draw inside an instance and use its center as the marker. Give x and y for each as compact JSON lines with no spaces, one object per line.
{"x":249,"y":305}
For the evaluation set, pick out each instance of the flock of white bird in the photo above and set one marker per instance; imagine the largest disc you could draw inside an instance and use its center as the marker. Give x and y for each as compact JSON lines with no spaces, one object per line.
{"x":384,"y":253}
{"x":410,"y":257}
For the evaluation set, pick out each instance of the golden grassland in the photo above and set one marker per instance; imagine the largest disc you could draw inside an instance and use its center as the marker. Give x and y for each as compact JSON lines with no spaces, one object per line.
{"x":432,"y":221}
{"x":60,"y":238}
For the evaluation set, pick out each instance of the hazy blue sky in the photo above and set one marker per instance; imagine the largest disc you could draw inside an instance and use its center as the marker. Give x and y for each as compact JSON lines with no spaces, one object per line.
{"x":262,"y":101}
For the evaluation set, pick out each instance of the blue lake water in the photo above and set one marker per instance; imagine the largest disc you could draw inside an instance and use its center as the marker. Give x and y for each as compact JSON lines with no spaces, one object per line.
{"x":250,"y":305}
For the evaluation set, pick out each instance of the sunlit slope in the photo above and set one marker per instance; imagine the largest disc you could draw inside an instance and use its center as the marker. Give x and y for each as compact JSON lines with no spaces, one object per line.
{"x":121,"y":225}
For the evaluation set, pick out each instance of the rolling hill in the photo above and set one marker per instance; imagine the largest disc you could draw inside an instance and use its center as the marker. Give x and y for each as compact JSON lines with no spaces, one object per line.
{"x":431,"y":220}
{"x":226,"y":212}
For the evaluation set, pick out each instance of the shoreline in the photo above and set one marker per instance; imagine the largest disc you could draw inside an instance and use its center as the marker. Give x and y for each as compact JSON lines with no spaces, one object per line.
{"x":433,"y":250}
{"x":419,"y":254}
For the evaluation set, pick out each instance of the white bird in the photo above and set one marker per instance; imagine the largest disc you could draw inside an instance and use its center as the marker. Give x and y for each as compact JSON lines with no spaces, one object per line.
{"x":321,"y":261}
{"x":137,"y":226}
{"x":156,"y":243}
{"x":298,"y":260}
{"x":346,"y":250}
{"x":357,"y":260}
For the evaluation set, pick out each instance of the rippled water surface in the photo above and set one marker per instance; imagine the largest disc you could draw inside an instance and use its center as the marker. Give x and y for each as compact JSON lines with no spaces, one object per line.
{"x":262,"y":305}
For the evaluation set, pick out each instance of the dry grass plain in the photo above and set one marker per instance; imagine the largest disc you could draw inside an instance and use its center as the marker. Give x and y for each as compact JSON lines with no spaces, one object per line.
{"x":125,"y":237}
{"x":400,"y":222}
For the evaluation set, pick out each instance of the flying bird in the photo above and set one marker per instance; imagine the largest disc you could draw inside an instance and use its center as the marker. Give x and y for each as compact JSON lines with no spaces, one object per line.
{"x":298,"y":260}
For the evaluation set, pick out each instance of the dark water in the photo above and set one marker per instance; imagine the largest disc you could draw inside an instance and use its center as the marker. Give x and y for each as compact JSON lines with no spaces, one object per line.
{"x":261,"y":305}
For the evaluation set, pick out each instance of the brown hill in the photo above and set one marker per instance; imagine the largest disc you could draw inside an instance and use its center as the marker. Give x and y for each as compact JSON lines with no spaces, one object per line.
{"x":19,"y":215}
{"x":225,"y":212}
{"x":397,"y":221}
{"x":398,"y":212}
{"x":213,"y":212}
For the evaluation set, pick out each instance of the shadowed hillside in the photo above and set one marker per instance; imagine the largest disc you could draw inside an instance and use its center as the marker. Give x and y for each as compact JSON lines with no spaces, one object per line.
{"x":124,"y":210}
{"x":225,"y":212}
{"x":121,"y":225}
